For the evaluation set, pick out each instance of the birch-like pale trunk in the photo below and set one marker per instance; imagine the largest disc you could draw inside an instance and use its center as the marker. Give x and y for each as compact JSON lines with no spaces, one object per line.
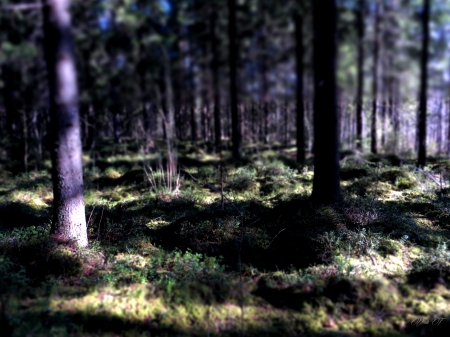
{"x":69,"y":222}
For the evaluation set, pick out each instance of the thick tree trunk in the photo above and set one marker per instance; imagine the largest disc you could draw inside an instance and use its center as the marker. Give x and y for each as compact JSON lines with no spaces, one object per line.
{"x":235,"y":122}
{"x":326,"y":184}
{"x":422,"y":127}
{"x":69,"y":222}
{"x":299,"y":95}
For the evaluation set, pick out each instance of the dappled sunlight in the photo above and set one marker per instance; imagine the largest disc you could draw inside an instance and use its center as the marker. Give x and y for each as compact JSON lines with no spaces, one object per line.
{"x":169,"y":264}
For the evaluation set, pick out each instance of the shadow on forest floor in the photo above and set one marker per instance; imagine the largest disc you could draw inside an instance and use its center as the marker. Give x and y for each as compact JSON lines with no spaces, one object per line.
{"x":180,"y":265}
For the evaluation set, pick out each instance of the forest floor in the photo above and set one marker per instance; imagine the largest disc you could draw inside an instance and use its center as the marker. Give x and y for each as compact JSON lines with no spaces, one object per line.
{"x":174,"y":259}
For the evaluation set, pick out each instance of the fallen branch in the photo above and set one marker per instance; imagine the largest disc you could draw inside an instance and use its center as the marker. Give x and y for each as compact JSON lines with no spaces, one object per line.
{"x":429,"y":175}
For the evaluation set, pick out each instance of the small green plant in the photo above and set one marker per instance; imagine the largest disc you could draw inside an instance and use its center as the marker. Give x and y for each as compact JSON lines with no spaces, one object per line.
{"x":402,"y":179}
{"x":275,"y":176}
{"x":344,"y":241}
{"x":24,"y":236}
{"x":207,"y":173}
{"x":243,"y":179}
{"x":437,"y":258}
{"x":343,"y":265}
{"x":113,"y":173}
{"x":167,"y":181}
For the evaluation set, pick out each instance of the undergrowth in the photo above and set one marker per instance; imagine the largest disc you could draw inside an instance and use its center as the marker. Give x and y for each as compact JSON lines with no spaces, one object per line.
{"x":226,"y":250}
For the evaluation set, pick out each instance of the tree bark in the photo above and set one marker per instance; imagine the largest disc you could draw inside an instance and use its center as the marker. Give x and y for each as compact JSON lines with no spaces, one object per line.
{"x":69,"y":222}
{"x":215,"y":75}
{"x":146,"y":106}
{"x":360,"y":85}
{"x":264,"y":74}
{"x":169,"y":122}
{"x":326,"y":184}
{"x":439,"y":128}
{"x":299,"y":95}
{"x":235,"y":123}
{"x":376,"y":50}
{"x":422,"y":127}
{"x":14,"y":126}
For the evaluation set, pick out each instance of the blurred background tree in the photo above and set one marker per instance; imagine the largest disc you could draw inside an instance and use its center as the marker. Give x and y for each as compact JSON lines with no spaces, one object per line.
{"x":160,"y":69}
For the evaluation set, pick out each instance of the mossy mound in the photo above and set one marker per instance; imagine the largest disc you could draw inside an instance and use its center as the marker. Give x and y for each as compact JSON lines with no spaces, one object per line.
{"x":364,"y":187}
{"x":402,"y":179}
{"x":353,"y":173}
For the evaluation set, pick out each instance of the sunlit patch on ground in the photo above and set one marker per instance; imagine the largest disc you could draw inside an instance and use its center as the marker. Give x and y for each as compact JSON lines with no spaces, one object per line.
{"x":262,"y":263}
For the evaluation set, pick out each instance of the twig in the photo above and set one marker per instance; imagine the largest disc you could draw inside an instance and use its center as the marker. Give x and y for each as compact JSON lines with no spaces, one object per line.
{"x":429,"y":175}
{"x":254,"y":222}
{"x":89,"y":220}
{"x":275,"y":238}
{"x":99,"y":223}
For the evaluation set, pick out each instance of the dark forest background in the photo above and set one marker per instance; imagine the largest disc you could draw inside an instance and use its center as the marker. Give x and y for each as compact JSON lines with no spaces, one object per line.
{"x":165,"y":69}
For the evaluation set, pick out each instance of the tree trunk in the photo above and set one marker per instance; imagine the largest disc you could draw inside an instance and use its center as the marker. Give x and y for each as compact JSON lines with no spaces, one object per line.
{"x":422,"y":127}
{"x":286,"y":125}
{"x":145,"y":105}
{"x":215,"y":75}
{"x":394,"y":114}
{"x":376,"y":50}
{"x":169,"y":121}
{"x":326,"y":184}
{"x":360,"y":84}
{"x":299,"y":95}
{"x":439,"y":128}
{"x":235,"y":123}
{"x":383,"y":122}
{"x":14,"y":127}
{"x":69,"y":222}
{"x":264,"y":74}
{"x":447,"y":107}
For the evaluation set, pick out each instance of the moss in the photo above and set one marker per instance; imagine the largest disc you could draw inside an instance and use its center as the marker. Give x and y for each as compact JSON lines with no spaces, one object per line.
{"x":386,"y":296}
{"x":141,"y":278}
{"x":402,"y":179}
{"x":406,"y":183}
{"x":421,"y":308}
{"x":272,"y":188}
{"x":352,"y":173}
{"x":112,"y":173}
{"x":383,"y":331}
{"x":64,"y":261}
{"x":390,"y":247}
